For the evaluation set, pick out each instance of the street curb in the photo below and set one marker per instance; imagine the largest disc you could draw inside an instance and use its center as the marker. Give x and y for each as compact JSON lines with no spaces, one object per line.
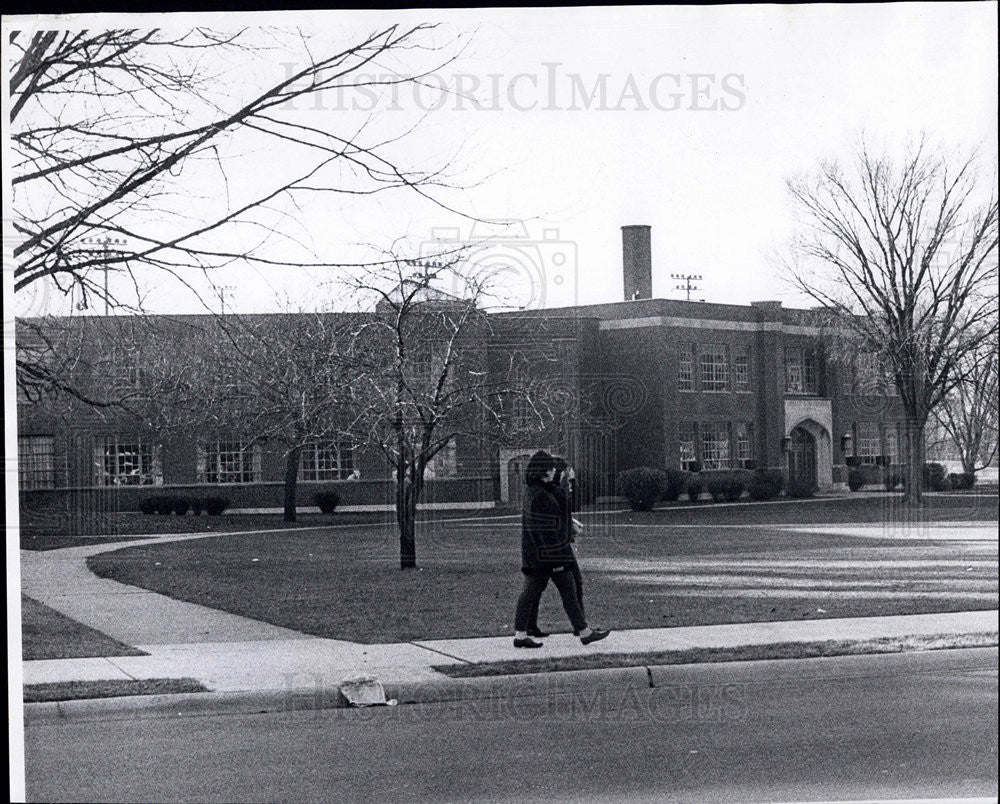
{"x":473,"y":691}
{"x":329,"y":697}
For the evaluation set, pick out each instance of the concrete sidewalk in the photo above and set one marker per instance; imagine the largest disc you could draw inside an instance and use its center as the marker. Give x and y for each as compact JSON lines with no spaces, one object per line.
{"x":235,"y":655}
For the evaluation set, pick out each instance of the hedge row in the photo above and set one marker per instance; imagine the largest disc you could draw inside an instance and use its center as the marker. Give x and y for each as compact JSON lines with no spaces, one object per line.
{"x":166,"y":504}
{"x":936,"y":478}
{"x":645,"y":486}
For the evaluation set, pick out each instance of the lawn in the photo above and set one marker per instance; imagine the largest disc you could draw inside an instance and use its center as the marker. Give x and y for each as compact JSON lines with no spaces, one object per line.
{"x":681,"y":566}
{"x":77,"y":690}
{"x":47,"y":634}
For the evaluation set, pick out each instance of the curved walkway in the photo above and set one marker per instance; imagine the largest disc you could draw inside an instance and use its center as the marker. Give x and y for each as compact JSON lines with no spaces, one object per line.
{"x":231,"y":653}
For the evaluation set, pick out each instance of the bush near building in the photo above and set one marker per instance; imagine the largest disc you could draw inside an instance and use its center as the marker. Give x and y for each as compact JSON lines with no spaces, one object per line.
{"x":166,"y":504}
{"x":327,"y":501}
{"x":726,"y":484}
{"x":677,"y":483}
{"x":695,"y":487}
{"x":936,"y":477}
{"x":765,"y":484}
{"x":962,"y":481}
{"x":642,"y":486}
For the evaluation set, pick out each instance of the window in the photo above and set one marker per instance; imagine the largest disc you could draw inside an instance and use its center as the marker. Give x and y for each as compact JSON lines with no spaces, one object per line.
{"x":715,"y":445}
{"x":685,"y":439}
{"x":228,"y":462}
{"x":871,"y":377}
{"x":328,"y":461}
{"x":36,"y":462}
{"x":743,"y":438}
{"x":122,"y":368}
{"x":714,"y":368}
{"x":120,"y":462}
{"x":741,"y":369}
{"x":800,"y":371}
{"x":685,"y":368}
{"x":444,"y":463}
{"x":869,"y":444}
{"x":891,"y":443}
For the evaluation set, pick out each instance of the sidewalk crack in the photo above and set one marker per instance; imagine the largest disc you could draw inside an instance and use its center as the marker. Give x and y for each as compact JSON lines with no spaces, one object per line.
{"x":442,"y":653}
{"x":110,"y":661}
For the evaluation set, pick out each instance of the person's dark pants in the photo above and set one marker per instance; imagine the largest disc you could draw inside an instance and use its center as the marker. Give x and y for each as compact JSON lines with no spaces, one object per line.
{"x":534,"y":585}
{"x":578,"y":578}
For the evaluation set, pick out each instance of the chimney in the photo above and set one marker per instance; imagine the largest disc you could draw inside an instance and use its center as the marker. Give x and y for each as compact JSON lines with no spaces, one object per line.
{"x":637,"y":262}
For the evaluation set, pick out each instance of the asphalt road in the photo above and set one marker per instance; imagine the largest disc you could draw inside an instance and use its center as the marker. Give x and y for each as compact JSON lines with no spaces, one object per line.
{"x":905,"y":726}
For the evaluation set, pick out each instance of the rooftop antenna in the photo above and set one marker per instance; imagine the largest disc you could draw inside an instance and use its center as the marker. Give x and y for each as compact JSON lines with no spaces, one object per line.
{"x":102,"y":246}
{"x":687,"y":279}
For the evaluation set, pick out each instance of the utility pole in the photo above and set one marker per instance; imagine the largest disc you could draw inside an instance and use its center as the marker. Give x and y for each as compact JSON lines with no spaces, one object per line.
{"x":221,"y":290}
{"x":105,"y":251}
{"x":687,"y":279}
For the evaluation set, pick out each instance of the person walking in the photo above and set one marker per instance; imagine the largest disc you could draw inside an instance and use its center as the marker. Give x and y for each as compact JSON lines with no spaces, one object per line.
{"x":564,"y":489}
{"x":546,"y":553}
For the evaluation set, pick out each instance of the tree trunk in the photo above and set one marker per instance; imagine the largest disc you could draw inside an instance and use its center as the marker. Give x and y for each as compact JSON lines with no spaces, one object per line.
{"x":913,"y":444}
{"x":291,"y":478}
{"x":406,"y":516}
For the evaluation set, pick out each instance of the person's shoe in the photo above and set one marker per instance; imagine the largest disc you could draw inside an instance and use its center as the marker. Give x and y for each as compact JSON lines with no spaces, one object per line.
{"x":594,"y":636}
{"x":537,"y":632}
{"x":526,"y":642}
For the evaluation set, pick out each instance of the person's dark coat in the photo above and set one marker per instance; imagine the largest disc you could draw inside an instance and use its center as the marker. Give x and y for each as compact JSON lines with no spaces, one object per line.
{"x":545,"y":530}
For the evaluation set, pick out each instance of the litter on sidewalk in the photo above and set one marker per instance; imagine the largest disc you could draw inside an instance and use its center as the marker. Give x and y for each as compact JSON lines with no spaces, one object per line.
{"x":364,"y":690}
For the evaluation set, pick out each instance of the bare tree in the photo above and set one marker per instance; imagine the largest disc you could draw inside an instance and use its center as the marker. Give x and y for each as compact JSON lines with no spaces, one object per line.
{"x":422,"y":374}
{"x":905,"y":254}
{"x":968,"y":413}
{"x":278,"y":378}
{"x":114,"y":132}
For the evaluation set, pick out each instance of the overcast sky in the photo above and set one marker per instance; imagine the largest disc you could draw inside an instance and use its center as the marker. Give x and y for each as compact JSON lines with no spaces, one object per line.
{"x":685,"y":119}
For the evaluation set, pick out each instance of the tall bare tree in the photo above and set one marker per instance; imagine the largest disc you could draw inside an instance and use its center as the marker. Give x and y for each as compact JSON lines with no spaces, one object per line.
{"x":905,"y":252}
{"x":423,"y":378}
{"x":131,"y":135}
{"x":968,"y":414}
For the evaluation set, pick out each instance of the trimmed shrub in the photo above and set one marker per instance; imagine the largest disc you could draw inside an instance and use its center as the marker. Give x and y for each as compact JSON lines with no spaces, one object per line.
{"x":695,"y":487}
{"x":643,"y":487}
{"x":147,"y":505}
{"x":327,"y":501}
{"x":197,"y":506}
{"x":893,"y":480}
{"x":726,"y":484}
{"x":677,"y":483}
{"x":855,"y":480}
{"x":765,"y":484}
{"x":181,"y":505}
{"x":164,"y":504}
{"x":936,"y":477}
{"x":961,"y":481}
{"x":800,"y":488}
{"x":215,"y":505}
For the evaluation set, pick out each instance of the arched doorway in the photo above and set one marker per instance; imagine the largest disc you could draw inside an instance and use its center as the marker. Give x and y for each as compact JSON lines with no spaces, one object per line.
{"x":802,"y":457}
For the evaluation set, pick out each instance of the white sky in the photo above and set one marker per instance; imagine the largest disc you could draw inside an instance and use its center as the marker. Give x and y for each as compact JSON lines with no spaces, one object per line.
{"x":790,"y":85}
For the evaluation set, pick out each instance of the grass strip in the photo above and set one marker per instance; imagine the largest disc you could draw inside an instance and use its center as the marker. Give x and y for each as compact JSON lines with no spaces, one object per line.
{"x":746,"y":653}
{"x":76,"y":690}
{"x":48,"y":634}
